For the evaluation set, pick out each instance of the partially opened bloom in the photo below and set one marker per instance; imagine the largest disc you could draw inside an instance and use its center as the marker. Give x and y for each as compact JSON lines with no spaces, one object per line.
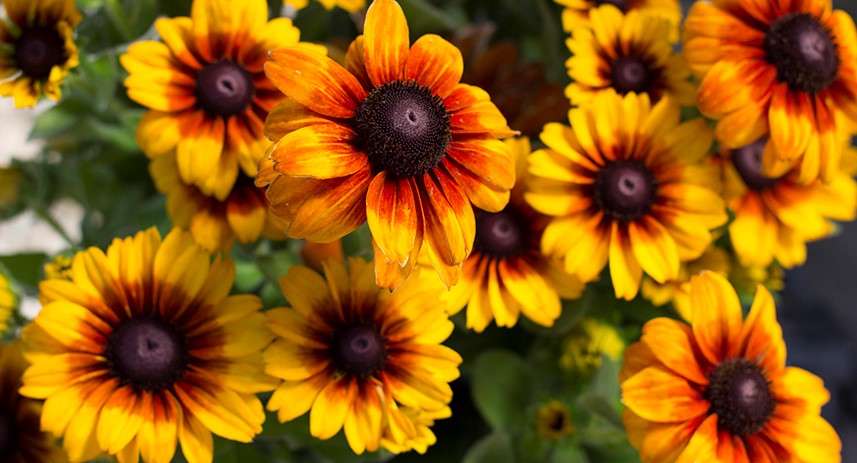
{"x":787,"y":69}
{"x":7,"y":302}
{"x":360,"y":358}
{"x":627,"y":53}
{"x":677,"y":292}
{"x":352,"y":6}
{"x":508,"y":274}
{"x":776,"y":216}
{"x":206,"y":89}
{"x":627,"y":184}
{"x":576,"y":12}
{"x":144,"y":348}
{"x":718,"y":389}
{"x":392,"y":138}
{"x":588,"y":345}
{"x":21,"y":438}
{"x":214,"y":224}
{"x":553,"y":420}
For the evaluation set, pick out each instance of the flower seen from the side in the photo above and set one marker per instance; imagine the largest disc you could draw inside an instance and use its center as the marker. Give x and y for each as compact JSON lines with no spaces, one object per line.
{"x":783,"y":69}
{"x":627,"y":185}
{"x":360,"y":358}
{"x":718,"y":389}
{"x":37,"y":49}
{"x":144,"y":348}
{"x":392,"y":139}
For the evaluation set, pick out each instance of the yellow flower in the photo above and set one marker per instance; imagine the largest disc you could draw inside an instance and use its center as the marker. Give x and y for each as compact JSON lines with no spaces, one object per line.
{"x":627,"y":53}
{"x":361,"y":358}
{"x":783,"y":69}
{"x":718,"y":389}
{"x":507,"y":274}
{"x":627,"y":184}
{"x":214,"y":223}
{"x":206,"y":89}
{"x":37,"y":49}
{"x":144,"y":348}
{"x":677,"y":291}
{"x":576,"y":12}
{"x":58,"y":268}
{"x":776,"y":216}
{"x":553,"y":421}
{"x":392,"y":139}
{"x":586,"y":347}
{"x":21,"y":437}
{"x":7,"y":302}
{"x":352,"y":6}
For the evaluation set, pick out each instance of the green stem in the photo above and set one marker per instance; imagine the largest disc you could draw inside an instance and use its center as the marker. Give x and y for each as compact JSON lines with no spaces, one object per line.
{"x":43,"y":214}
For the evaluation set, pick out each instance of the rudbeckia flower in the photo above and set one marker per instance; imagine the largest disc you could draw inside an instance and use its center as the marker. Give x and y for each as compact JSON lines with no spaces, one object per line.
{"x":553,"y":421}
{"x":627,"y":53}
{"x":214,"y":224}
{"x":352,"y":6}
{"x":507,"y":274}
{"x":576,"y":12}
{"x":360,"y":358}
{"x":206,"y":90}
{"x":392,"y":138}
{"x":143,"y":348}
{"x":37,"y":48}
{"x":627,"y":184}
{"x":21,"y":437}
{"x":587,"y":346}
{"x":783,"y":69}
{"x":677,"y":292}
{"x":776,"y":216}
{"x":718,"y":389}
{"x":7,"y":302}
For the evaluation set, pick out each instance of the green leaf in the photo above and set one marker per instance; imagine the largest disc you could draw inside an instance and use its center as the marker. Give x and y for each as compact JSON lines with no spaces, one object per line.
{"x":496,"y":448}
{"x":25,"y":269}
{"x":568,"y":451}
{"x":502,"y":388}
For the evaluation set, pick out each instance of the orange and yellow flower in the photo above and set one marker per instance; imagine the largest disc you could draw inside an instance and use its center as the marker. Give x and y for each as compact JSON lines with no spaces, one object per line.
{"x":206,"y":89}
{"x":143,"y":348}
{"x":352,"y":6}
{"x":783,"y":69}
{"x":21,"y":438}
{"x":360,"y":358}
{"x":37,"y":49}
{"x":627,"y":53}
{"x":7,"y":302}
{"x":507,"y":274}
{"x":627,"y":184}
{"x":776,"y":216}
{"x":392,"y":138}
{"x":718,"y":389}
{"x":576,"y":12}
{"x":215,"y":224}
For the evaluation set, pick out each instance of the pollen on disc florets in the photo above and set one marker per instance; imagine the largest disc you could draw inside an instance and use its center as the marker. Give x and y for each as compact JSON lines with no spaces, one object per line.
{"x":404,"y":128}
{"x":803,"y":51}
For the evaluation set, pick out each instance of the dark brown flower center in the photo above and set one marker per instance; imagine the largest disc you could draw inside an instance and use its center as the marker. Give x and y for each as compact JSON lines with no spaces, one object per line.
{"x":146,"y":353}
{"x":38,"y":50}
{"x":404,"y":128}
{"x":625,"y":189}
{"x":224,"y":88}
{"x":499,"y":234}
{"x":621,"y":4}
{"x":803,"y":51}
{"x":558,"y":421}
{"x":7,"y":436}
{"x":741,"y":397}
{"x":748,"y":162}
{"x":359,"y":350}
{"x":630,"y":74}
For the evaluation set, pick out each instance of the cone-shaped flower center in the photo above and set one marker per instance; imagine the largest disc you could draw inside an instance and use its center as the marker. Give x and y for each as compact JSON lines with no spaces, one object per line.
{"x":7,"y":437}
{"x":803,"y":52}
{"x":630,"y":74}
{"x":748,"y":162}
{"x":621,"y":4}
{"x":403,"y":128}
{"x":146,"y":353}
{"x":224,"y":88}
{"x":625,"y":189}
{"x":499,"y":234}
{"x":38,"y":50}
{"x":360,"y":350}
{"x":741,"y":397}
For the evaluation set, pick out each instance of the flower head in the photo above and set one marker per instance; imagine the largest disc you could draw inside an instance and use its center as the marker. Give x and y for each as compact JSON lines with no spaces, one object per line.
{"x":37,"y":49}
{"x":144,"y":348}
{"x":360,"y":358}
{"x":206,"y":90}
{"x":625,"y":184}
{"x":785,"y":70}
{"x":553,"y":420}
{"x":718,"y":388}
{"x":392,"y":138}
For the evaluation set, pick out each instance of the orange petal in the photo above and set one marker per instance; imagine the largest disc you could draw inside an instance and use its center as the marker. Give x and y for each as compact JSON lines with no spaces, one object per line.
{"x":385,"y":41}
{"x":762,"y":336}
{"x":481,"y":194}
{"x":658,"y":442}
{"x":220,"y":27}
{"x":246,"y":212}
{"x":671,"y":342}
{"x":436,"y":64}
{"x":717,"y":316}
{"x":625,"y":270}
{"x":654,"y":249}
{"x":319,"y":151}
{"x":791,"y":121}
{"x":703,"y":444}
{"x":449,"y":221}
{"x":289,"y":116}
{"x":488,"y":159}
{"x":394,"y":217}
{"x":354,"y":61}
{"x":660,"y":396}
